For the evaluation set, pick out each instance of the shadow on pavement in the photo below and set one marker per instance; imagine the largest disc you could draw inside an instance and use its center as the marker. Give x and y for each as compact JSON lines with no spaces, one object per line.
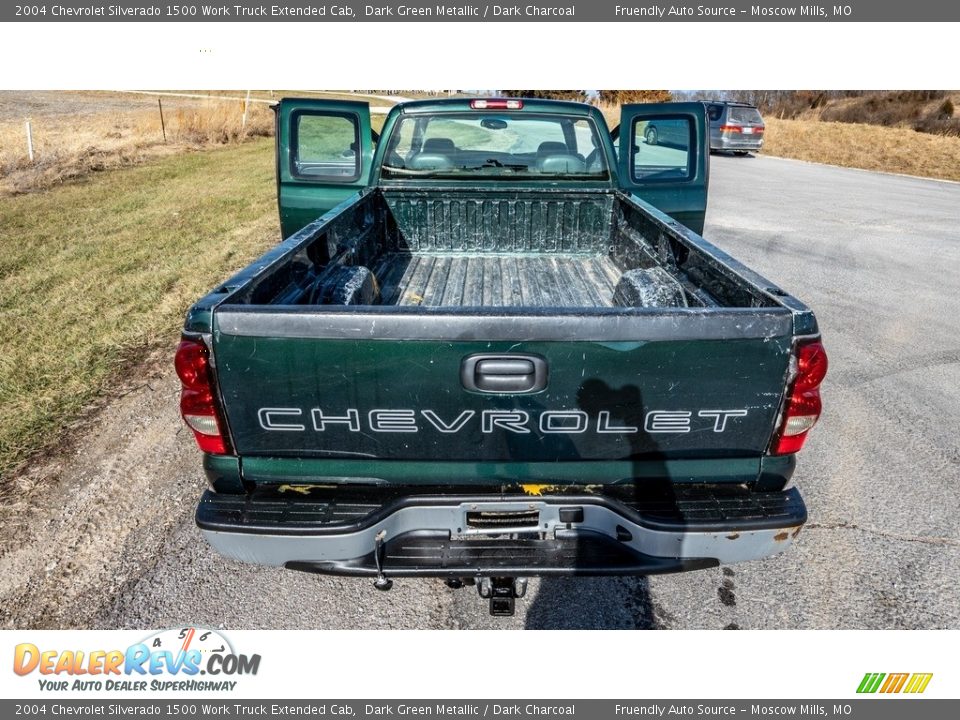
{"x":592,"y":604}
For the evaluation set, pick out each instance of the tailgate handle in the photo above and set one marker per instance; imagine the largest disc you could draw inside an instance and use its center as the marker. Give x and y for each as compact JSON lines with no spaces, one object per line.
{"x":507,"y":374}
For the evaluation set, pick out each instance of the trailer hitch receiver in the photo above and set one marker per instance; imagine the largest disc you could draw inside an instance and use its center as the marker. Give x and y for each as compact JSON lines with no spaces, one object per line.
{"x":502,"y":593}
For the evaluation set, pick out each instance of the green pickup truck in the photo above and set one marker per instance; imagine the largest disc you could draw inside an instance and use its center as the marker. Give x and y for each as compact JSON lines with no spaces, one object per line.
{"x":493,"y":346}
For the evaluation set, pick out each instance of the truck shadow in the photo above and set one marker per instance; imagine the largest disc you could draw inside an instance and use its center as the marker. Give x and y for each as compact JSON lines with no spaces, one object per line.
{"x":592,"y":603}
{"x":598,"y":603}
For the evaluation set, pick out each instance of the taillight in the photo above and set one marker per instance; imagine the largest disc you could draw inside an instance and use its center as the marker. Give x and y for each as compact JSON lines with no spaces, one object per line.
{"x":730,"y":128}
{"x":802,"y":408}
{"x":497,"y":104}
{"x":197,"y":403}
{"x":758,"y":130}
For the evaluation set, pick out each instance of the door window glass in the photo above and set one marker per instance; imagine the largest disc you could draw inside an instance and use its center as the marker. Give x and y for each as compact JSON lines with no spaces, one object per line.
{"x":326,"y":147}
{"x":661,"y":149}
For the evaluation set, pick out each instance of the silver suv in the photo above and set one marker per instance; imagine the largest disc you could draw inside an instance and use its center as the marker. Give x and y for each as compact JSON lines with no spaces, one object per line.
{"x":735,"y":127}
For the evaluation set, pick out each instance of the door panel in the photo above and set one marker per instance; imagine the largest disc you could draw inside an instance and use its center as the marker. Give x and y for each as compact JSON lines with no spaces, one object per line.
{"x":324,"y":155}
{"x":664,"y":158}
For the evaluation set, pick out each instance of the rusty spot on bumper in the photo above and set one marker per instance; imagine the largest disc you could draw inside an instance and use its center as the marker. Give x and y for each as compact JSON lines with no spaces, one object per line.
{"x":733,"y":536}
{"x":537,"y":489}
{"x":301,"y":489}
{"x":781,"y":536}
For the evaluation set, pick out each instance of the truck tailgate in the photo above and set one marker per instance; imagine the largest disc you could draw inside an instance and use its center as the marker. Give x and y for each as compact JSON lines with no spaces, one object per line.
{"x":390,"y":385}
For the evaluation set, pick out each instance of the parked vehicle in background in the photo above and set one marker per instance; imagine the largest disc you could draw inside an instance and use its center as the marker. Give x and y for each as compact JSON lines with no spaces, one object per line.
{"x":735,"y":127}
{"x":670,"y":132}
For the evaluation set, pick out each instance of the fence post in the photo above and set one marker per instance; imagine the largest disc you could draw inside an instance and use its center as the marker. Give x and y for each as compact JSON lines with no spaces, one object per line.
{"x":163,"y":126}
{"x":246,"y":104}
{"x":29,"y":140}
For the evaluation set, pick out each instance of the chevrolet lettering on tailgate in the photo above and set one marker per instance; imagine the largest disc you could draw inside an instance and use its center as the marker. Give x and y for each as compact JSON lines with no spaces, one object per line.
{"x":517,"y":421}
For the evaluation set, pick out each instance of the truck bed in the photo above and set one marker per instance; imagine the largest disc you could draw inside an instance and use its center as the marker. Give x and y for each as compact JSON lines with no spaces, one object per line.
{"x":538,"y":250}
{"x":374,"y":310}
{"x":499,"y":280}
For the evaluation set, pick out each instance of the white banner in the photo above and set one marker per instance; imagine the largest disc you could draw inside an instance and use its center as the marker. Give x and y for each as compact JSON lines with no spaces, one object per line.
{"x":207,"y":663}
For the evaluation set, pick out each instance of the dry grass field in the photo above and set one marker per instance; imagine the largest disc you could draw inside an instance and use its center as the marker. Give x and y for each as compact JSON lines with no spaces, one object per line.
{"x":80,"y":133}
{"x":869,"y":147}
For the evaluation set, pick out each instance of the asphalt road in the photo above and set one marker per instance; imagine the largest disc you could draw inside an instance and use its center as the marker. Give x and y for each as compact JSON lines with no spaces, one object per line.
{"x":876,"y":256}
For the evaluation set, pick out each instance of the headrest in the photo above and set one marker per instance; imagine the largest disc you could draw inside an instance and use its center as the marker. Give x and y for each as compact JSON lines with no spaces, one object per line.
{"x":561,"y":164}
{"x":439,"y":145}
{"x":547,"y":148}
{"x":430,"y":161}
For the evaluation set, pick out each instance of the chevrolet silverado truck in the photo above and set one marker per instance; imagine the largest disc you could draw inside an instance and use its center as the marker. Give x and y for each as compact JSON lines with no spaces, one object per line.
{"x":493,"y":345}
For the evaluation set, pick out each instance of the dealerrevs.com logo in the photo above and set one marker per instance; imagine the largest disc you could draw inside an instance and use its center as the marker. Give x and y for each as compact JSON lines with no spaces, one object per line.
{"x":179,"y":659}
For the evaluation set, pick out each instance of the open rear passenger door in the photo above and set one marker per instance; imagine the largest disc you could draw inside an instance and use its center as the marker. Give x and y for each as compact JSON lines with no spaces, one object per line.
{"x":664,"y":158}
{"x":324,"y":155}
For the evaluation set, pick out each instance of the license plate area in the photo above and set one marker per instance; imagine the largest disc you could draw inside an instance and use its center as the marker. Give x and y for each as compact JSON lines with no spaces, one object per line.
{"x":487,"y":519}
{"x":502,"y":520}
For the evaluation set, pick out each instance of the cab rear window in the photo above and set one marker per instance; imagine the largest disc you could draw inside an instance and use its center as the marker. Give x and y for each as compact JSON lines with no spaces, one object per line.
{"x":495,"y":145}
{"x":745,"y":115}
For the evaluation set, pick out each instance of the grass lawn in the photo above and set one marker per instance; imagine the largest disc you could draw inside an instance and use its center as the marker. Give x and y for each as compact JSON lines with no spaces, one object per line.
{"x":96,"y":272}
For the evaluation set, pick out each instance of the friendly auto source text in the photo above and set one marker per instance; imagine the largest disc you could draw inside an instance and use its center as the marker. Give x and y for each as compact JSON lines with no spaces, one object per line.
{"x":660,"y":11}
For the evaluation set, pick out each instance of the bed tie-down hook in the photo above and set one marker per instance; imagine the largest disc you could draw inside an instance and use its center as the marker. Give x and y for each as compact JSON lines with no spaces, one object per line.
{"x":382,"y":582}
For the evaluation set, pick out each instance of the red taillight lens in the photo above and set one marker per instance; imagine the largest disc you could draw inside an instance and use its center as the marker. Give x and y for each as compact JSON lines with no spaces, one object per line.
{"x":730,"y":128}
{"x":497,"y":104}
{"x":811,"y":366}
{"x":759,"y":130}
{"x":803,"y":406}
{"x":197,"y":403}
{"x":191,"y":364}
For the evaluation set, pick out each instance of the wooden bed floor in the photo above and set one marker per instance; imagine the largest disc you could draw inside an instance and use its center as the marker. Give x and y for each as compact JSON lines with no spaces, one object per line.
{"x":536,"y":280}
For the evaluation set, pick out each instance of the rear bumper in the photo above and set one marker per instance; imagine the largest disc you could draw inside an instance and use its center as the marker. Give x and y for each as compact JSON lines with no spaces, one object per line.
{"x":737,"y":143}
{"x":446,"y":536}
